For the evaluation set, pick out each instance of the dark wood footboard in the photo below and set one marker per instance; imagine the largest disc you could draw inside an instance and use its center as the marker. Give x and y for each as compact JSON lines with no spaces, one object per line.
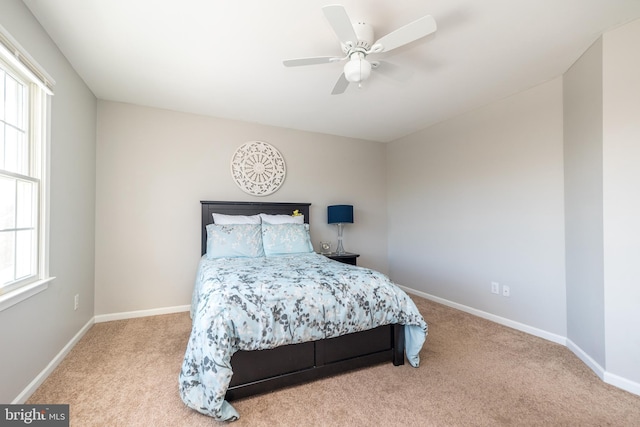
{"x":256,"y":372}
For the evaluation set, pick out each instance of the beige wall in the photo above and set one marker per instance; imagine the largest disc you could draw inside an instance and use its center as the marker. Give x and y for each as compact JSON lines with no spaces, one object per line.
{"x":583,"y":203}
{"x":621,"y":157}
{"x":153,"y":168}
{"x":34,"y":331}
{"x":479,"y":198}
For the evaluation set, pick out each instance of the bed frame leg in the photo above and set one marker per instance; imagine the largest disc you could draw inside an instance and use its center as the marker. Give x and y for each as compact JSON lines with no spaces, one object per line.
{"x":398,"y":345}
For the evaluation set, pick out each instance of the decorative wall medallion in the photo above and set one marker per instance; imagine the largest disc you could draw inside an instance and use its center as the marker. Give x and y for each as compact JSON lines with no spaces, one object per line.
{"x":258,"y":168}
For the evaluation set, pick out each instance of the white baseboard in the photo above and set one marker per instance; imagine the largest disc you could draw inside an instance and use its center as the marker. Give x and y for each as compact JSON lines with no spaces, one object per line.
{"x":622,"y":383}
{"x":39,"y":379}
{"x":607,"y":377}
{"x":42,"y":376}
{"x":141,"y":313}
{"x":586,"y":359}
{"x":497,"y":319}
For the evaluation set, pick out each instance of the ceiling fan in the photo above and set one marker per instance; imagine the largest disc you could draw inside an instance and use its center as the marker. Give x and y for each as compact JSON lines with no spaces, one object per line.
{"x":357,"y":43}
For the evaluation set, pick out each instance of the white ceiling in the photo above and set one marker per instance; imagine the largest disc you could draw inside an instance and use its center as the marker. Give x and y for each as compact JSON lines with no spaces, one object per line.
{"x":224,"y":58}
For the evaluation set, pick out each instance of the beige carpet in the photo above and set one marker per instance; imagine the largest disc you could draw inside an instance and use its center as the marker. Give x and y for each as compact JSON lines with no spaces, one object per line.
{"x":473,"y":373}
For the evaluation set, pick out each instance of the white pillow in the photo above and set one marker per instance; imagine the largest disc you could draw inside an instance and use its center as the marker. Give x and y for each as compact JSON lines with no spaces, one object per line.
{"x":281,"y":219}
{"x":235,"y":219}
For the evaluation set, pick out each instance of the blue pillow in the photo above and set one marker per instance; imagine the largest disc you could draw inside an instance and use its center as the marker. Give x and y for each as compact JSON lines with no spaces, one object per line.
{"x":284,"y":239}
{"x":234,"y":241}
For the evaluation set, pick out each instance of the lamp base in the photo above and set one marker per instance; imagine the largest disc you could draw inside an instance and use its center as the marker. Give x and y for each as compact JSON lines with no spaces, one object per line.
{"x":340,"y":249}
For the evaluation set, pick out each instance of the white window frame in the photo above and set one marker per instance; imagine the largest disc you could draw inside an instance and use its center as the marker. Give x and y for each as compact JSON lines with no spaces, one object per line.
{"x":15,"y":61}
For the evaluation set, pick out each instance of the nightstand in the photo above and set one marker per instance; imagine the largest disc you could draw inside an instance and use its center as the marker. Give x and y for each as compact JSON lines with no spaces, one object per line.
{"x":346,"y":258}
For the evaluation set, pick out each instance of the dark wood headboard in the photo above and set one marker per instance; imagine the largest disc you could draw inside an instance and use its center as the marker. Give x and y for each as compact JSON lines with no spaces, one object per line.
{"x":246,"y":208}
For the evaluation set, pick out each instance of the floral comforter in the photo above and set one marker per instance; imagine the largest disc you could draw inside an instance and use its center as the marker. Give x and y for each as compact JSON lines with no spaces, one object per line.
{"x":261,"y":303}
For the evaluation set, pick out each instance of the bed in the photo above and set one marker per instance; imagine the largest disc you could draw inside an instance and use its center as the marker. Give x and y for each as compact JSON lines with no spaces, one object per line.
{"x":210,"y":378}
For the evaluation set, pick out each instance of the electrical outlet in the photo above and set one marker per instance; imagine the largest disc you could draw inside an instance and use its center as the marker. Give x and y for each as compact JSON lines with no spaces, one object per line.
{"x":495,"y":288}
{"x":76,"y":301}
{"x":506,"y":291}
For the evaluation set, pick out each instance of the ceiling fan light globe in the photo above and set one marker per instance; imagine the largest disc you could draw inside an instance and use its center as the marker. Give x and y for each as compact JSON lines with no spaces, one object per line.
{"x":357,"y":70}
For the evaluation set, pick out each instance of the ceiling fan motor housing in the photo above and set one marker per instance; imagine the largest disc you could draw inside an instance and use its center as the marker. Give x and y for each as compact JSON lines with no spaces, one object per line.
{"x":364,"y":33}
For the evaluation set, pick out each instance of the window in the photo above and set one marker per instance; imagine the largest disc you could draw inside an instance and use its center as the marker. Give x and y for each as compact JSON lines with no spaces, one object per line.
{"x":23,"y":143}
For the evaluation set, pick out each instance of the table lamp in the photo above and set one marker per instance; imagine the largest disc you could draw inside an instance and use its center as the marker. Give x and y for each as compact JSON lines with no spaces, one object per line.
{"x":340,"y":215}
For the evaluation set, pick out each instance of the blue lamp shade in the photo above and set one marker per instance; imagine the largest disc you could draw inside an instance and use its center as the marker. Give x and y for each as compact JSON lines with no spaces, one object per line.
{"x":340,"y":214}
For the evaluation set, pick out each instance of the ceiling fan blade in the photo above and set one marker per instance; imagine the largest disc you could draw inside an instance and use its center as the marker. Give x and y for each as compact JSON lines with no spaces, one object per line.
{"x":408,"y":33}
{"x":339,"y":20}
{"x":393,"y":71}
{"x":341,"y":85}
{"x":310,"y":61}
